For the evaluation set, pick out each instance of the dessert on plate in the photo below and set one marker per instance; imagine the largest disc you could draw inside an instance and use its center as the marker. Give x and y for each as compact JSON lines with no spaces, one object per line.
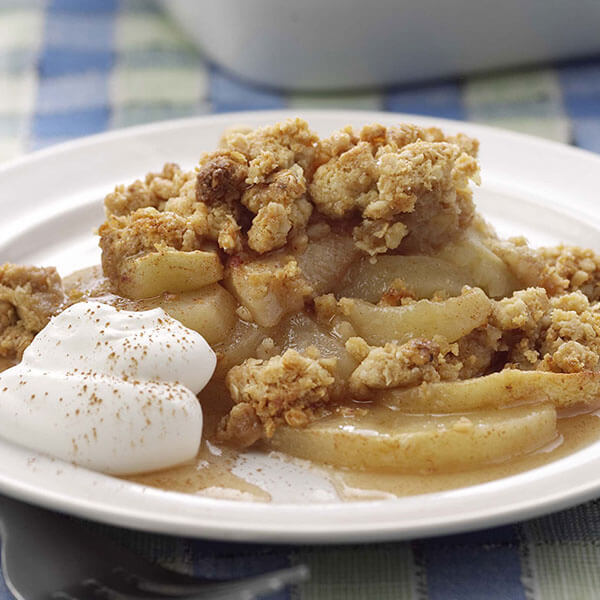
{"x":362,"y":314}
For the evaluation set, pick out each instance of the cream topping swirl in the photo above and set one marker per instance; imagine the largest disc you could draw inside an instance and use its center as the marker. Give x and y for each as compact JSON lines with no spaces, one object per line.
{"x":111,"y":390}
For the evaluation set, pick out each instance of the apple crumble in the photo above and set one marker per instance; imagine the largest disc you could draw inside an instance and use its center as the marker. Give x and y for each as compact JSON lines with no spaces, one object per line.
{"x":29,"y":296}
{"x":347,"y":279}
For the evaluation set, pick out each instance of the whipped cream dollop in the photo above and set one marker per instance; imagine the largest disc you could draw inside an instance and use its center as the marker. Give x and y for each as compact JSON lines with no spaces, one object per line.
{"x":111,"y":390}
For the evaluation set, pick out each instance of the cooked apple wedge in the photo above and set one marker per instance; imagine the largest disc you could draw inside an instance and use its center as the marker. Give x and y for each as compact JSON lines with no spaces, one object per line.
{"x":506,"y":388}
{"x":391,"y":441}
{"x":300,"y":331}
{"x":452,"y":318}
{"x":466,"y":261}
{"x":268,"y":287}
{"x":324,"y":261}
{"x":424,"y":275}
{"x":469,"y":255}
{"x":168,"y":270}
{"x":210,"y":310}
{"x":240,"y":344}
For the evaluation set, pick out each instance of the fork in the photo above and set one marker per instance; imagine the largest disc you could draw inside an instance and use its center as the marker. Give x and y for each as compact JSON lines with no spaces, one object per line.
{"x":47,"y":556}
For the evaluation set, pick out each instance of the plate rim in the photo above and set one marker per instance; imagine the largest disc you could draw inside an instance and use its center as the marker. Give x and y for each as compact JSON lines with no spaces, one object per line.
{"x":293,"y":532}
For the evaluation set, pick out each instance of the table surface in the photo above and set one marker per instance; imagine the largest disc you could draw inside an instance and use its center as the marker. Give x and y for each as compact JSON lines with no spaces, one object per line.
{"x":70,"y":68}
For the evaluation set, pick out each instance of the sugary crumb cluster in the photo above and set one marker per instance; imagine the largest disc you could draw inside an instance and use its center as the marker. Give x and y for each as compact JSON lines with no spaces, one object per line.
{"x":293,"y":386}
{"x":29,"y":296}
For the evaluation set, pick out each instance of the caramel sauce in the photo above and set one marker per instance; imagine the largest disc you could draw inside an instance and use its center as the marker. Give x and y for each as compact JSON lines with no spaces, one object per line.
{"x":210,"y":475}
{"x":86,"y":282}
{"x":574,"y":433}
{"x":5,"y":364}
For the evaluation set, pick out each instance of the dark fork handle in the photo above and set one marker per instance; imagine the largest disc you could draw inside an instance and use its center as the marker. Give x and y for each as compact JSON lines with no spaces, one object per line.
{"x":245,"y":588}
{"x":44,"y":550}
{"x":254,"y":584}
{"x":28,"y":534}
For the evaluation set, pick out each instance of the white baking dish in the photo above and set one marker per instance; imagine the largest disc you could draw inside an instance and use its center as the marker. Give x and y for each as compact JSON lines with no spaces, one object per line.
{"x":328,"y":44}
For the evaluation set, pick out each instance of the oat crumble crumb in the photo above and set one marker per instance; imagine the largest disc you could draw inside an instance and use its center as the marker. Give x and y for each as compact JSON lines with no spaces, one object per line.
{"x":292,"y":388}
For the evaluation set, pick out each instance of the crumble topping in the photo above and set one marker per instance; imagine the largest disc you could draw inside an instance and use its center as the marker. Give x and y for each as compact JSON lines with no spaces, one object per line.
{"x":29,"y":296}
{"x":264,"y":188}
{"x":290,"y":388}
{"x":523,"y":310}
{"x":280,"y":206}
{"x":220,"y":177}
{"x":573,"y":269}
{"x":559,"y":334}
{"x":571,"y":343}
{"x":268,"y":288}
{"x":396,"y":178}
{"x":269,"y":196}
{"x":143,"y":230}
{"x":269,"y":149}
{"x":153,"y":192}
{"x":394,"y":365}
{"x":377,"y":237}
{"x":557,"y":269}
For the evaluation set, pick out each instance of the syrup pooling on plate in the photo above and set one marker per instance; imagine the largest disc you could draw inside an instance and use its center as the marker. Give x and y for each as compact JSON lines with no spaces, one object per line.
{"x":339,"y":278}
{"x":212,"y":474}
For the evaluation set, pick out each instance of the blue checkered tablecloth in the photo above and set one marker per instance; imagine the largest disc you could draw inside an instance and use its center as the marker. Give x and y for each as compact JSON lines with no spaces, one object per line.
{"x":75,"y":67}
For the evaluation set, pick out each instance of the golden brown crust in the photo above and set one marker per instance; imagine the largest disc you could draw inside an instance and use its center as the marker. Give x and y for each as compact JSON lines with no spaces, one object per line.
{"x":153,"y":192}
{"x":290,"y":388}
{"x":275,"y":147}
{"x":558,"y":333}
{"x":523,"y":310}
{"x":377,"y":237}
{"x":402,"y":174}
{"x":558,"y":270}
{"x":570,"y":268}
{"x":142,"y":231}
{"x":8,"y":315}
{"x":270,"y":228}
{"x":259,"y":191}
{"x":571,"y":342}
{"x":220,"y":178}
{"x":394,"y":365}
{"x":29,"y":296}
{"x":280,"y":206}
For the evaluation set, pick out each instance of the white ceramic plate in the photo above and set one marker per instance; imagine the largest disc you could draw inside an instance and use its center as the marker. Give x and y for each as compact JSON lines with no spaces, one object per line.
{"x":51,"y":201}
